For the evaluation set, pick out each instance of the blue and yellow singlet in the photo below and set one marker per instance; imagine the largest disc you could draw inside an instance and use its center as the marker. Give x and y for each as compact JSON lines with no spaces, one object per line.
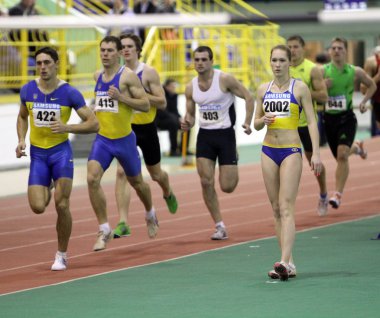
{"x":44,"y":108}
{"x":114,"y":116}
{"x":284,"y":106}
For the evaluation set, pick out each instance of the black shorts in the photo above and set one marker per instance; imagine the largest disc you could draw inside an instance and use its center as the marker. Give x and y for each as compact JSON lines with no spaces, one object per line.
{"x":217,"y":143}
{"x":305,"y":139}
{"x":376,"y":110}
{"x":147,"y":140}
{"x":340,"y":130}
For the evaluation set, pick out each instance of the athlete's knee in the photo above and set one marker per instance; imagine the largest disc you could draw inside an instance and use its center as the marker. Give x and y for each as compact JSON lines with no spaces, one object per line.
{"x":120,"y":172}
{"x":342,"y":156}
{"x":38,"y":207}
{"x":93,"y":180}
{"x":207,"y":182}
{"x":157,"y":175}
{"x":229,"y":187}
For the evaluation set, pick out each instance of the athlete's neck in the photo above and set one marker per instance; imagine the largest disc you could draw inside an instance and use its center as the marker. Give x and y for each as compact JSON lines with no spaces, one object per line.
{"x":206,"y":75}
{"x":111,"y":71}
{"x":282,"y":83}
{"x":297,"y":62}
{"x":133,"y":65}
{"x":48,"y":86}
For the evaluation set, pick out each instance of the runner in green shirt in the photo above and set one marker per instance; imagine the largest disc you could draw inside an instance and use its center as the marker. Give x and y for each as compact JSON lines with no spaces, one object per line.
{"x":340,"y":120}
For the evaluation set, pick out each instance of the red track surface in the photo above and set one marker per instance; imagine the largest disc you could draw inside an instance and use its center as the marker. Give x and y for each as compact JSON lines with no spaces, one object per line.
{"x":28,"y":241}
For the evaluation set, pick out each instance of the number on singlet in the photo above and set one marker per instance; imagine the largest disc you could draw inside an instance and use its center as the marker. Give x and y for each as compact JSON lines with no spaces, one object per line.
{"x":335,"y":104}
{"x":45,"y":116}
{"x":106,"y":103}
{"x":276,"y":106}
{"x":210,"y":115}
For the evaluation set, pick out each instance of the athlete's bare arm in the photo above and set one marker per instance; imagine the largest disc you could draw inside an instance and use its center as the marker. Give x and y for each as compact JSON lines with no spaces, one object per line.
{"x":319,"y":89}
{"x":189,"y":119}
{"x":156,"y":93}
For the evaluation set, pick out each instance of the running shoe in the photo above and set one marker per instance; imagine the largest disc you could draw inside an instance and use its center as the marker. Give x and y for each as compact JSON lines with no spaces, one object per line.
{"x":282,"y":269}
{"x":152,"y":226}
{"x":335,"y":200}
{"x":171,"y":202}
{"x":219,"y":234}
{"x":121,"y":229}
{"x":102,"y":240}
{"x":322,"y":206}
{"x":292,"y":272}
{"x":363,"y":153}
{"x":60,"y":263}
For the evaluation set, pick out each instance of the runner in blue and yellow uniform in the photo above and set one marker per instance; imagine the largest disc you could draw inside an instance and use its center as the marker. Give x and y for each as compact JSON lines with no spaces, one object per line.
{"x":305,"y":70}
{"x":144,"y":127}
{"x":118,"y":92}
{"x":279,"y":104}
{"x":48,"y":102}
{"x":339,"y":117}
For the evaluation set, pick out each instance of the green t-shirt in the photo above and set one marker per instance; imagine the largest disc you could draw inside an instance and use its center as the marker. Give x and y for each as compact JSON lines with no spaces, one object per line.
{"x":342,"y":89}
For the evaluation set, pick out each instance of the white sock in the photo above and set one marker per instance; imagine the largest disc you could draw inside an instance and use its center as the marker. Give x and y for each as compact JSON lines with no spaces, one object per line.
{"x":221,"y":224}
{"x":63,"y":254}
{"x":105,"y":227}
{"x":150,"y":214}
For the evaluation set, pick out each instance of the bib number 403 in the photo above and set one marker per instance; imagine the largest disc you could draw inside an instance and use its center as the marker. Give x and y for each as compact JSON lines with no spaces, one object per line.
{"x":210,"y":116}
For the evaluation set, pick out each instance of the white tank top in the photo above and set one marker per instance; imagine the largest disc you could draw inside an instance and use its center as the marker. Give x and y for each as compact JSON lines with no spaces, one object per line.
{"x":216,"y":108}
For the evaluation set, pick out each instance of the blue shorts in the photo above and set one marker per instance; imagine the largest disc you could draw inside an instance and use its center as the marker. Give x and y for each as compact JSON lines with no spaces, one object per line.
{"x":279,"y":154}
{"x":123,"y":149}
{"x":52,"y":163}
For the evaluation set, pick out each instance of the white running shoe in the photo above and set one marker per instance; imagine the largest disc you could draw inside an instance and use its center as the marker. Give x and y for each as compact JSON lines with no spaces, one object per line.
{"x":292,"y":272}
{"x":152,"y":226}
{"x":102,"y":240}
{"x":335,"y":200}
{"x":322,"y":206}
{"x":220,"y":234}
{"x":363,"y":153}
{"x":60,"y":263}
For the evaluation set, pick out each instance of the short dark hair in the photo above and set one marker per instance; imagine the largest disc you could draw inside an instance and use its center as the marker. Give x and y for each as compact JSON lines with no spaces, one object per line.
{"x":136,"y":39}
{"x":204,"y":48}
{"x":283,"y":48}
{"x":341,"y":40}
{"x":168,"y":81}
{"x":298,"y":38}
{"x":112,"y":39}
{"x":49,"y":51}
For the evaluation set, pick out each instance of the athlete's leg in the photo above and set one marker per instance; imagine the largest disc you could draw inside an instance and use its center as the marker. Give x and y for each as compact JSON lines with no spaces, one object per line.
{"x":160,"y":176}
{"x":97,"y":197}
{"x":206,"y":172}
{"x":143,"y":190}
{"x":63,"y":187}
{"x":342,"y":169}
{"x":322,"y":177}
{"x":122,"y":193}
{"x":228,"y":177}
{"x":290,"y":175}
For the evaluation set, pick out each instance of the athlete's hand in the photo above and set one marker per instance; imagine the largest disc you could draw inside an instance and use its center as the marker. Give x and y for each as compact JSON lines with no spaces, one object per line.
{"x":187,"y":122}
{"x":57,"y":127}
{"x":269,"y":119}
{"x":316,"y":165}
{"x":114,"y":93}
{"x":247,"y":129}
{"x":20,"y":149}
{"x":362,"y":107}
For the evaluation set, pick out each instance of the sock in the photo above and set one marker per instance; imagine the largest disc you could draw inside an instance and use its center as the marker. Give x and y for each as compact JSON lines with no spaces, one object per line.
{"x":338,"y":194}
{"x":221,"y":224}
{"x":323,"y":196}
{"x":105,"y":227}
{"x":150,"y":214}
{"x":63,"y":254}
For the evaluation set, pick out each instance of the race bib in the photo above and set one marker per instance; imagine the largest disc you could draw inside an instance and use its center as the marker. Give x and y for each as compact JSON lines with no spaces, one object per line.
{"x":210,"y":114}
{"x":278,"y":107}
{"x":44,"y":114}
{"x":106,"y":104}
{"x":336,"y":103}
